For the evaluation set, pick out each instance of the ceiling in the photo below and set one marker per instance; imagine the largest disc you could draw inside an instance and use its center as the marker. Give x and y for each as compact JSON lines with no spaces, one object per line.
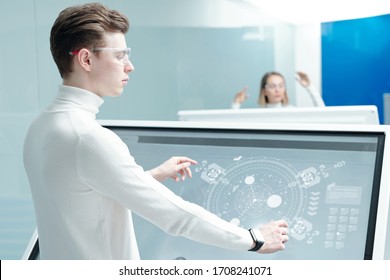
{"x":317,"y":11}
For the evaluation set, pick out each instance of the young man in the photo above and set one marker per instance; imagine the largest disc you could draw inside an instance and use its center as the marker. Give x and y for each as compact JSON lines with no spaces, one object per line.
{"x":83,"y":179}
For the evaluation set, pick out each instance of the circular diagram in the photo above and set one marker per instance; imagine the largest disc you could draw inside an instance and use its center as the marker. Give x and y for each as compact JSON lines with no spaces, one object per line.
{"x":255,"y":190}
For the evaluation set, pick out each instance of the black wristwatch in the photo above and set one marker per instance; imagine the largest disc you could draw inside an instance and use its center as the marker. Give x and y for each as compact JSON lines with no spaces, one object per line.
{"x":258,"y":242}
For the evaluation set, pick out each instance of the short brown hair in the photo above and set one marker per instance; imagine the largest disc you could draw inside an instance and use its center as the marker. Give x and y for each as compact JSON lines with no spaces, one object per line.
{"x":82,"y":26}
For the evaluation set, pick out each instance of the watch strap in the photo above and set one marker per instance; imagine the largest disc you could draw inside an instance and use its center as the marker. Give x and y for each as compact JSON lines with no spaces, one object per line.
{"x":256,"y":239}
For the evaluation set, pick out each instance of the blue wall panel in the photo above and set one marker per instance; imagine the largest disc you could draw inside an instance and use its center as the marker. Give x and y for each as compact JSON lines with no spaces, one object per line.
{"x":356,"y":62}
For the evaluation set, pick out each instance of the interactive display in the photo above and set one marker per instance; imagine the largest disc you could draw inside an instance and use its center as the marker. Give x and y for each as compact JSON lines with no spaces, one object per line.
{"x":324,"y":183}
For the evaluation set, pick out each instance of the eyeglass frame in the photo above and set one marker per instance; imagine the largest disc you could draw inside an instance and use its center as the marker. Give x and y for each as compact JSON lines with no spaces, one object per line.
{"x":273,"y":86}
{"x":123,"y":59}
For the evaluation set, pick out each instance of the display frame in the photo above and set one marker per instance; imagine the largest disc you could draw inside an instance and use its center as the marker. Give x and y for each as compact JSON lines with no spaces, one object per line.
{"x":357,"y":115}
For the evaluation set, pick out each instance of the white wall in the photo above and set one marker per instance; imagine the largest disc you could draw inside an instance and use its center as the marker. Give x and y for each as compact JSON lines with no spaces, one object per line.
{"x":308,"y":59}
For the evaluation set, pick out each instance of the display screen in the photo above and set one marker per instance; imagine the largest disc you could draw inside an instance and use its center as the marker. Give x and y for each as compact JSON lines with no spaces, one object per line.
{"x":325,"y":184}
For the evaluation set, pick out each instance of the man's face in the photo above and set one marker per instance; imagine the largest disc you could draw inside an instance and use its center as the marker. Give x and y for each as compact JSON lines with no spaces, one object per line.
{"x":110,"y":66}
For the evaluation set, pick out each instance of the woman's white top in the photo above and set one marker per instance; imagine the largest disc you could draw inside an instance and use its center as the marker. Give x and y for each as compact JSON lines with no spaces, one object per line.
{"x":85,"y":185}
{"x":315,"y":97}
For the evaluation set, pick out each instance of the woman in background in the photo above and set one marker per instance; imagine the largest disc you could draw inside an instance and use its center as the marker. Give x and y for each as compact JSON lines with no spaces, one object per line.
{"x":273,"y":93}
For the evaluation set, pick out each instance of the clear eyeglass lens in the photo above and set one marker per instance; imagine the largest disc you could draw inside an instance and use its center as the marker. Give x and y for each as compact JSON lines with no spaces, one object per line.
{"x":273,"y":86}
{"x":123,"y":55}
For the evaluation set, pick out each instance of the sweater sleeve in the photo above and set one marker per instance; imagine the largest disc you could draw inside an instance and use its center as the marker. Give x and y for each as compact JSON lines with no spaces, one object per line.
{"x":105,"y":164}
{"x":315,"y":96}
{"x":236,"y":105}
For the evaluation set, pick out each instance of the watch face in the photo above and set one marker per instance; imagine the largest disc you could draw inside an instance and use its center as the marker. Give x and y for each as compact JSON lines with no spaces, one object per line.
{"x":259,"y":235}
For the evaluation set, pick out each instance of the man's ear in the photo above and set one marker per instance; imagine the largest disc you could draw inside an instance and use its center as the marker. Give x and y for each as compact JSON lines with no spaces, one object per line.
{"x":84,"y":59}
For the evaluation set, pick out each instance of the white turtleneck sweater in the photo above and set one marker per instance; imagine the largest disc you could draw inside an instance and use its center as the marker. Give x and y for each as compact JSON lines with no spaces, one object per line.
{"x":85,"y":184}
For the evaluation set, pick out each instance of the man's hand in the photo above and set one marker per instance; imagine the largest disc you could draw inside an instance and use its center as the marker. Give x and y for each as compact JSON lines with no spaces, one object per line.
{"x":275,"y":235}
{"x":177,"y":168}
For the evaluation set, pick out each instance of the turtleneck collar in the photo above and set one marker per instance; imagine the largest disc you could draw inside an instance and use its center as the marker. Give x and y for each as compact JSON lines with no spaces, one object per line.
{"x":276,"y":105}
{"x":79,"y":97}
